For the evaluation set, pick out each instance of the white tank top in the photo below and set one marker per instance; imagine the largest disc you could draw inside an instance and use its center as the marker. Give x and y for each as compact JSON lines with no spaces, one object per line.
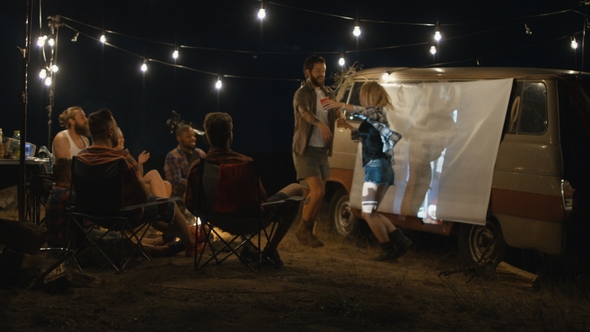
{"x":74,"y":149}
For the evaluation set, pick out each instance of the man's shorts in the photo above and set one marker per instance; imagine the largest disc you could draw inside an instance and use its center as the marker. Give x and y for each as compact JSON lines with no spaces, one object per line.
{"x":164,"y":211}
{"x":314,"y":163}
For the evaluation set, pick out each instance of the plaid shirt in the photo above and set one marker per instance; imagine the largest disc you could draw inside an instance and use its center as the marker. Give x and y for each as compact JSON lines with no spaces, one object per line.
{"x":55,"y":213}
{"x":177,"y":164}
{"x":215,"y":156}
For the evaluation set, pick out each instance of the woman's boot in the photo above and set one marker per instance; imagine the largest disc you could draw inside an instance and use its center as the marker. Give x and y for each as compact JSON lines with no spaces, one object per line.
{"x":388,"y":252}
{"x":402,"y":243}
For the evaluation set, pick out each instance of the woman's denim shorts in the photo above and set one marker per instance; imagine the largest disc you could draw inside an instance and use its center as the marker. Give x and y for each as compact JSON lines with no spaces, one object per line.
{"x":379,"y":171}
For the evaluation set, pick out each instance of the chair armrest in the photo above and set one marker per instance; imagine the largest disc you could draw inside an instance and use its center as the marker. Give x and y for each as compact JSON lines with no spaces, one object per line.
{"x":290,"y":199}
{"x":158,"y":202}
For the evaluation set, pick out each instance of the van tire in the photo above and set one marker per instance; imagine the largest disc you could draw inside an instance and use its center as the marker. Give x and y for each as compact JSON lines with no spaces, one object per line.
{"x":342,"y":221}
{"x":473,"y":241}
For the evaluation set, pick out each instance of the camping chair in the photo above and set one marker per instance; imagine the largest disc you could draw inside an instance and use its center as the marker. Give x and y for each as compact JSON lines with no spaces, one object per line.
{"x":100,"y":203}
{"x":229,"y":197}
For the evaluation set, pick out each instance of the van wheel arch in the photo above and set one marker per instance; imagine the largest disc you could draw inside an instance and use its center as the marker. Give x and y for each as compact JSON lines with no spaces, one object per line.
{"x":475,"y":241}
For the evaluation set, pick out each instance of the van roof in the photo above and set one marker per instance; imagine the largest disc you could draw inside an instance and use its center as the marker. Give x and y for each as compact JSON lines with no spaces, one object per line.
{"x":452,"y":73}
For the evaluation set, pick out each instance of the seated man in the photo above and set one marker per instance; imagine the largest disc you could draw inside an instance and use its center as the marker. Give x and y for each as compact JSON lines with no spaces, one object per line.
{"x":57,"y":202}
{"x":104,"y":132}
{"x":69,"y":142}
{"x":218,"y":127}
{"x":180,"y":159}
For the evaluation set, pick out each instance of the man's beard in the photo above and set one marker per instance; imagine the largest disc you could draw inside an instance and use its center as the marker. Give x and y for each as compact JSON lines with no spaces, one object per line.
{"x":82,"y":130}
{"x":315,"y":82}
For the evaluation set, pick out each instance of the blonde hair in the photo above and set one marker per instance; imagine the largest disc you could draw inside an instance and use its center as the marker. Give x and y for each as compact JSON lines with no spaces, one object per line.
{"x":65,"y":116}
{"x":375,"y":95}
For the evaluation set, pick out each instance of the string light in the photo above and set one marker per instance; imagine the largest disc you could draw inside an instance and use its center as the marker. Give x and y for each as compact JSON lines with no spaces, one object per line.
{"x":433,"y":50}
{"x":41,"y":41}
{"x":262,"y":11}
{"x":175,"y":54}
{"x":437,"y":35}
{"x":341,"y":61}
{"x":357,"y":29}
{"x":218,"y":84}
{"x":54,"y":68}
{"x":103,"y":38}
{"x":144,"y":66}
{"x":75,"y":38}
{"x":48,"y":81}
{"x":43,"y":74}
{"x":51,"y":42}
{"x":574,"y":43}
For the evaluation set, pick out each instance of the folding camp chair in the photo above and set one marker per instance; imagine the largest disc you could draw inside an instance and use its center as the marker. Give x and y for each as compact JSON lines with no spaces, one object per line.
{"x":231,"y":203}
{"x":100,"y":203}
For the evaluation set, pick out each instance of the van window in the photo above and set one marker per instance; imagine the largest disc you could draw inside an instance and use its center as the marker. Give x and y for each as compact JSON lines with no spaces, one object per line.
{"x":528,"y":108}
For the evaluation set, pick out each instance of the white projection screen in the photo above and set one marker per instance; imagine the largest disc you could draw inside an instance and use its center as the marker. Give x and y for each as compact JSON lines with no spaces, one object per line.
{"x":445,"y":161}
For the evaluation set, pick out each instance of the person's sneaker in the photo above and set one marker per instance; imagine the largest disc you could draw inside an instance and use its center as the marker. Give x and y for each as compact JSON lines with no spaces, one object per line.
{"x":272,"y":257}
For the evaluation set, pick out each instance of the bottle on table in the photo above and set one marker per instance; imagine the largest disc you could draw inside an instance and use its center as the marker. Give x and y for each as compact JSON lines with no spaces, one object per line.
{"x":16,"y":145}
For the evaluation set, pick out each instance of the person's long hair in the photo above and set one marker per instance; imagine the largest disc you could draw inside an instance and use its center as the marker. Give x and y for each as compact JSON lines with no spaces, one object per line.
{"x":373,"y":94}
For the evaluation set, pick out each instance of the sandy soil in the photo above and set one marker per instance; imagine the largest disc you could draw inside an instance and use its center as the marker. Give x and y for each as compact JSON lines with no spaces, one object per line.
{"x":333,"y":288}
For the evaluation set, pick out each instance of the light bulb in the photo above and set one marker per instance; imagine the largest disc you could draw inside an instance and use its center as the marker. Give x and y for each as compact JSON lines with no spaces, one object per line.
{"x":51,"y":42}
{"x":385,"y":76}
{"x":103,"y":38}
{"x":144,"y":67}
{"x":574,"y":43}
{"x":433,"y":50}
{"x":48,"y":81}
{"x":41,"y":41}
{"x":356,"y":31}
{"x":437,"y":35}
{"x":341,"y":61}
{"x":54,"y":68}
{"x":43,"y":74}
{"x":262,"y":13}
{"x":175,"y":54}
{"x":218,"y":84}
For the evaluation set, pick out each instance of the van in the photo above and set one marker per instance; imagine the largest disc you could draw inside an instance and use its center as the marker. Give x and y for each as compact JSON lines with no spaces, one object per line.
{"x":498,"y":157}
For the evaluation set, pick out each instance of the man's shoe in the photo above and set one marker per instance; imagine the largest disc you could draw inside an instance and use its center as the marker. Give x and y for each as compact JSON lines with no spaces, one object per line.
{"x":272,"y":257}
{"x":304,"y":234}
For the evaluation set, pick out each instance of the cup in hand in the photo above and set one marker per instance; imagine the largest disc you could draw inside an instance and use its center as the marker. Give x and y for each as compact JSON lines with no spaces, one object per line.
{"x":323,"y":102}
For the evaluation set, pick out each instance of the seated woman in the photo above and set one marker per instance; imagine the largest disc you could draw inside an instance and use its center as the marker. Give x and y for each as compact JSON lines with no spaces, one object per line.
{"x":158,"y":186}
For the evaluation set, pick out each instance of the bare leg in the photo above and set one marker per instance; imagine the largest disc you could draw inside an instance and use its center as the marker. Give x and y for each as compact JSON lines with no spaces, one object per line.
{"x":179,"y":227}
{"x":313,"y":201}
{"x":288,"y":217}
{"x":155,"y":184}
{"x":372,"y":196}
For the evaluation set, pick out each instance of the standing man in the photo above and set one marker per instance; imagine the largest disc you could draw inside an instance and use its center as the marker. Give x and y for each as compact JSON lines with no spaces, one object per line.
{"x":180,"y":159}
{"x":67,"y":143}
{"x":312,"y":143}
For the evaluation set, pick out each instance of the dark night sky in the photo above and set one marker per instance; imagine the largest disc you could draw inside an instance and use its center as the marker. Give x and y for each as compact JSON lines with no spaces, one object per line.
{"x":259,"y":99}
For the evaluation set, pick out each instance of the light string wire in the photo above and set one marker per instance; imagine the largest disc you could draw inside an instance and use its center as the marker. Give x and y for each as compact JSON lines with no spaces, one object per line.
{"x":176,"y":46}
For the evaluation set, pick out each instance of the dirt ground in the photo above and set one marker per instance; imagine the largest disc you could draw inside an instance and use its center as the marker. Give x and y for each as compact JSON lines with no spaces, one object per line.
{"x":333,"y":288}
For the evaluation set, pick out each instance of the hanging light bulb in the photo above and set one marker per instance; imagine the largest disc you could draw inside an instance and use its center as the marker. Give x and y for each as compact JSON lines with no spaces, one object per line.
{"x":433,"y":50}
{"x":43,"y":74}
{"x":103,"y":38}
{"x":574,"y":43}
{"x":357,"y":30}
{"x":175,"y":54}
{"x":144,"y":66}
{"x":218,"y":84}
{"x":54,"y":68}
{"x":437,"y":35}
{"x":48,"y":81}
{"x":41,"y":41}
{"x":262,"y":11}
{"x":51,"y":42}
{"x":341,"y":61}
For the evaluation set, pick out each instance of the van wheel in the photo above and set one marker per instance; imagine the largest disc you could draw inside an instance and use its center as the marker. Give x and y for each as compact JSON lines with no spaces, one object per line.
{"x":342,"y":220}
{"x":482,"y":244}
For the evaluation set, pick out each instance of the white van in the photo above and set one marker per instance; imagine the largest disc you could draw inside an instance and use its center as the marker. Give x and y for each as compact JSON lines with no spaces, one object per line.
{"x":492,"y":155}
